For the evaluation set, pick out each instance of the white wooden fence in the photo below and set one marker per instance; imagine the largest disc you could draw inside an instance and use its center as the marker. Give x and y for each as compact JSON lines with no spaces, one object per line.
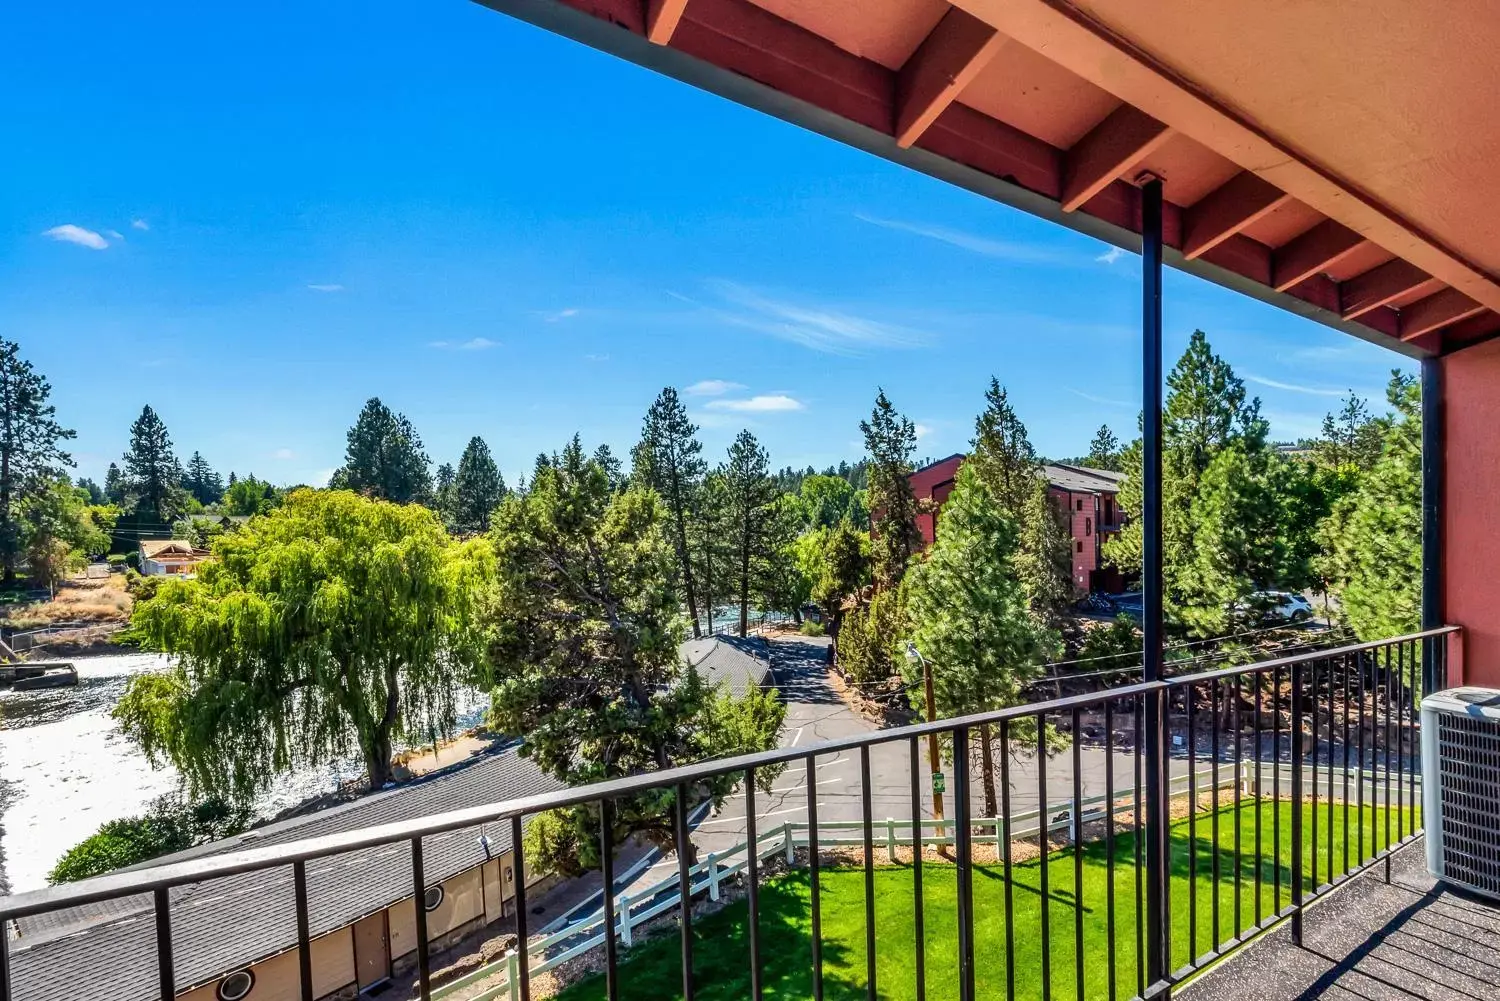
{"x":707,"y":877}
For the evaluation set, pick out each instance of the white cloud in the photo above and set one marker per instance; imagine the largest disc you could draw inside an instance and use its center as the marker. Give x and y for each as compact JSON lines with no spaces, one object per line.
{"x":679,"y":296}
{"x":923,"y":430}
{"x":561,"y":314}
{"x":816,"y":327}
{"x":283,"y":454}
{"x":326,"y":287}
{"x":1021,"y":253}
{"x":1294,"y":387}
{"x":768,"y":403}
{"x":1111,"y":255}
{"x":69,"y":233}
{"x":139,"y":224}
{"x":596,"y":358}
{"x":114,"y":234}
{"x":473,"y":344}
{"x":712,"y":387}
{"x":322,"y":476}
{"x":1102,"y":400}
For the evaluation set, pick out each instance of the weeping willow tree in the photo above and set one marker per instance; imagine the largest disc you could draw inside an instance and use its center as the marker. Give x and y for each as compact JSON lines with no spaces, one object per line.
{"x":334,"y":625}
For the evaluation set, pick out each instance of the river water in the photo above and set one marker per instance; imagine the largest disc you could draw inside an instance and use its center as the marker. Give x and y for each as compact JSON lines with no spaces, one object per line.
{"x":65,"y":768}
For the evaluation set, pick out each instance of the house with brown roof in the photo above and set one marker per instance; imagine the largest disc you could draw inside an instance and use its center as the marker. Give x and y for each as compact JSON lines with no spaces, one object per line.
{"x":170,"y":558}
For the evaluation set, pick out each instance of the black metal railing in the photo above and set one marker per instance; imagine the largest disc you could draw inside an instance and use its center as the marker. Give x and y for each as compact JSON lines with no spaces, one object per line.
{"x":1280,"y":781}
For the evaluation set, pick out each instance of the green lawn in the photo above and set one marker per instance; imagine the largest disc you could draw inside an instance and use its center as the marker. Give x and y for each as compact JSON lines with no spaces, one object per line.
{"x":652,"y":970}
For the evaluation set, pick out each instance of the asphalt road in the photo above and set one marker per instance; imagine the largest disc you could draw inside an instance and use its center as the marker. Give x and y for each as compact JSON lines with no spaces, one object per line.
{"x":816,"y":712}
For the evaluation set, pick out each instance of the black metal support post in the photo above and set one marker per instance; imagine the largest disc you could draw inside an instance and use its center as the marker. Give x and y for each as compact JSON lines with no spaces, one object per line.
{"x":304,"y":935}
{"x":518,"y":873}
{"x":419,"y":898}
{"x":1432,"y":518}
{"x":166,"y":970}
{"x":1158,"y":960}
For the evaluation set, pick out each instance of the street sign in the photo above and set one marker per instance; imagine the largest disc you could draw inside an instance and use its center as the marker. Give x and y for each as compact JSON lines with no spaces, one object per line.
{"x":939,"y":784}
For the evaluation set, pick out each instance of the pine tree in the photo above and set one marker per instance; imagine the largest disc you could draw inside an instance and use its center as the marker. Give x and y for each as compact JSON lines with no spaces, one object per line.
{"x":584,"y":654}
{"x":114,"y":484}
{"x":477,"y":489}
{"x":1002,"y":453}
{"x":756,"y":533}
{"x":1005,"y":460}
{"x":710,"y":552}
{"x":1207,"y":411}
{"x":200,"y":480}
{"x":384,"y":458}
{"x":613,"y":469}
{"x":669,"y":460}
{"x":152,"y":473}
{"x":969,"y":612}
{"x":1377,"y":538}
{"x":891,"y":441}
{"x":442,"y":492}
{"x":30,"y":447}
{"x":1104,"y":450}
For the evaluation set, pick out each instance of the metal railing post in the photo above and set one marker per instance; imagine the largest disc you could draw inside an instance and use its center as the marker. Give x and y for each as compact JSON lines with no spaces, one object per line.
{"x":1297,"y":755}
{"x":1432,"y":518}
{"x":1158,"y":911}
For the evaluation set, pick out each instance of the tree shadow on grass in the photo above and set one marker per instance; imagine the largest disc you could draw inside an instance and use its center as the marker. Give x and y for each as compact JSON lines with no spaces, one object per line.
{"x":721,"y":955}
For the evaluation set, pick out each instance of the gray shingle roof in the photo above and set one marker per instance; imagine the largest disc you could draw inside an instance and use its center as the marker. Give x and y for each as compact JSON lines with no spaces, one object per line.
{"x":740,"y":664}
{"x":1082,"y":478}
{"x":107,"y":952}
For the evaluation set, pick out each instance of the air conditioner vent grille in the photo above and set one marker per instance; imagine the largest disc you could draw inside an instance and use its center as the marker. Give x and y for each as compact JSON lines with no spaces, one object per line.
{"x":1469,"y":759}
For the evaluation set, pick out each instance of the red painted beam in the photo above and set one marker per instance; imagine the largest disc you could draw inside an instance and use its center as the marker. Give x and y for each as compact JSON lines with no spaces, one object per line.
{"x":1109,"y":149}
{"x":1381,"y":285}
{"x":1312,"y":253}
{"x":946,"y":62}
{"x":976,"y":140}
{"x":662,"y":17}
{"x":1226,"y":210}
{"x":628,"y":14}
{"x":1480,"y":327}
{"x":1437,"y":311}
{"x":753,"y":42}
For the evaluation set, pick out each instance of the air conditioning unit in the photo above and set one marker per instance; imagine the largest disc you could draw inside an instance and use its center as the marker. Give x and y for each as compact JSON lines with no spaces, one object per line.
{"x":1461,"y":787}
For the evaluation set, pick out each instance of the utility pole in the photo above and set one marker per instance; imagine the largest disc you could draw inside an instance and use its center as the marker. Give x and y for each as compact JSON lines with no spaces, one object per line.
{"x":934,"y":751}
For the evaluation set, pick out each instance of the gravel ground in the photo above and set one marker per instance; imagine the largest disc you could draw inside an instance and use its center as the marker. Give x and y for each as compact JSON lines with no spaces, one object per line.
{"x":1410,"y":939}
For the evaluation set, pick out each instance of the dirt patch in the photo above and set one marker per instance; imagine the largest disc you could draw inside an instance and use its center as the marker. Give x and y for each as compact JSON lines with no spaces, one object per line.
{"x":883,"y":707}
{"x":94,"y":602}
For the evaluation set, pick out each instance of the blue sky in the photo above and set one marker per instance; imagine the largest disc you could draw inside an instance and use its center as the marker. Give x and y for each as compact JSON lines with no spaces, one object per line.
{"x":254,"y":221}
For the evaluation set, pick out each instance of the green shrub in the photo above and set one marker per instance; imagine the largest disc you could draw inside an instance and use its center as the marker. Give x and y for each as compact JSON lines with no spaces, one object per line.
{"x":811,"y":628}
{"x":141,"y":588}
{"x":116,"y":560}
{"x":168,"y":826}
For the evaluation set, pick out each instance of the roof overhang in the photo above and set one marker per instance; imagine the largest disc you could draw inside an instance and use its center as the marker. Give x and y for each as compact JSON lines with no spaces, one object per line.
{"x":1334,"y":160}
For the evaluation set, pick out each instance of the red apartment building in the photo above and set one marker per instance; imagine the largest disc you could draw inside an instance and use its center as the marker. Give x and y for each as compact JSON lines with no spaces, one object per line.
{"x":1088,"y":495}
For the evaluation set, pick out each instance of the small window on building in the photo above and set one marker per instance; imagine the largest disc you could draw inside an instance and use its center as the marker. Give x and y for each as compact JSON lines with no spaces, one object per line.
{"x":236,"y":986}
{"x":1080,"y":504}
{"x":433,"y":898}
{"x":1088,"y":526}
{"x":1080,"y":545}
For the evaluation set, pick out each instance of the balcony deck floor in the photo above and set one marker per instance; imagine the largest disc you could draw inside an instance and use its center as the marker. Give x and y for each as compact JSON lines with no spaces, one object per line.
{"x":1411,"y":939}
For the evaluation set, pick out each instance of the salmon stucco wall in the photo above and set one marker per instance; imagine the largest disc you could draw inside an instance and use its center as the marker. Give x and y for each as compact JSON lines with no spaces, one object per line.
{"x":1471,"y":482}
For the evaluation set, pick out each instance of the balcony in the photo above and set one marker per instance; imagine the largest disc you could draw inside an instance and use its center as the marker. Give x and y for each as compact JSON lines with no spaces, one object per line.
{"x":1393,"y":934}
{"x":1141,"y":834}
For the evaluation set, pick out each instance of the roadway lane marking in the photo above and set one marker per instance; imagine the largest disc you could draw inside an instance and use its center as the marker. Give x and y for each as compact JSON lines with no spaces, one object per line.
{"x":758,"y":816}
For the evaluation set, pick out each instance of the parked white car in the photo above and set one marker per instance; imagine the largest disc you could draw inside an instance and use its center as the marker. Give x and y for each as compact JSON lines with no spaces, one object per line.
{"x":1278,"y":606}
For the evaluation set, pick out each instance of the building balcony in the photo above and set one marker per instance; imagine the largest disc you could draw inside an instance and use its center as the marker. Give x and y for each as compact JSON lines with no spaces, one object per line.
{"x":1116,"y":844}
